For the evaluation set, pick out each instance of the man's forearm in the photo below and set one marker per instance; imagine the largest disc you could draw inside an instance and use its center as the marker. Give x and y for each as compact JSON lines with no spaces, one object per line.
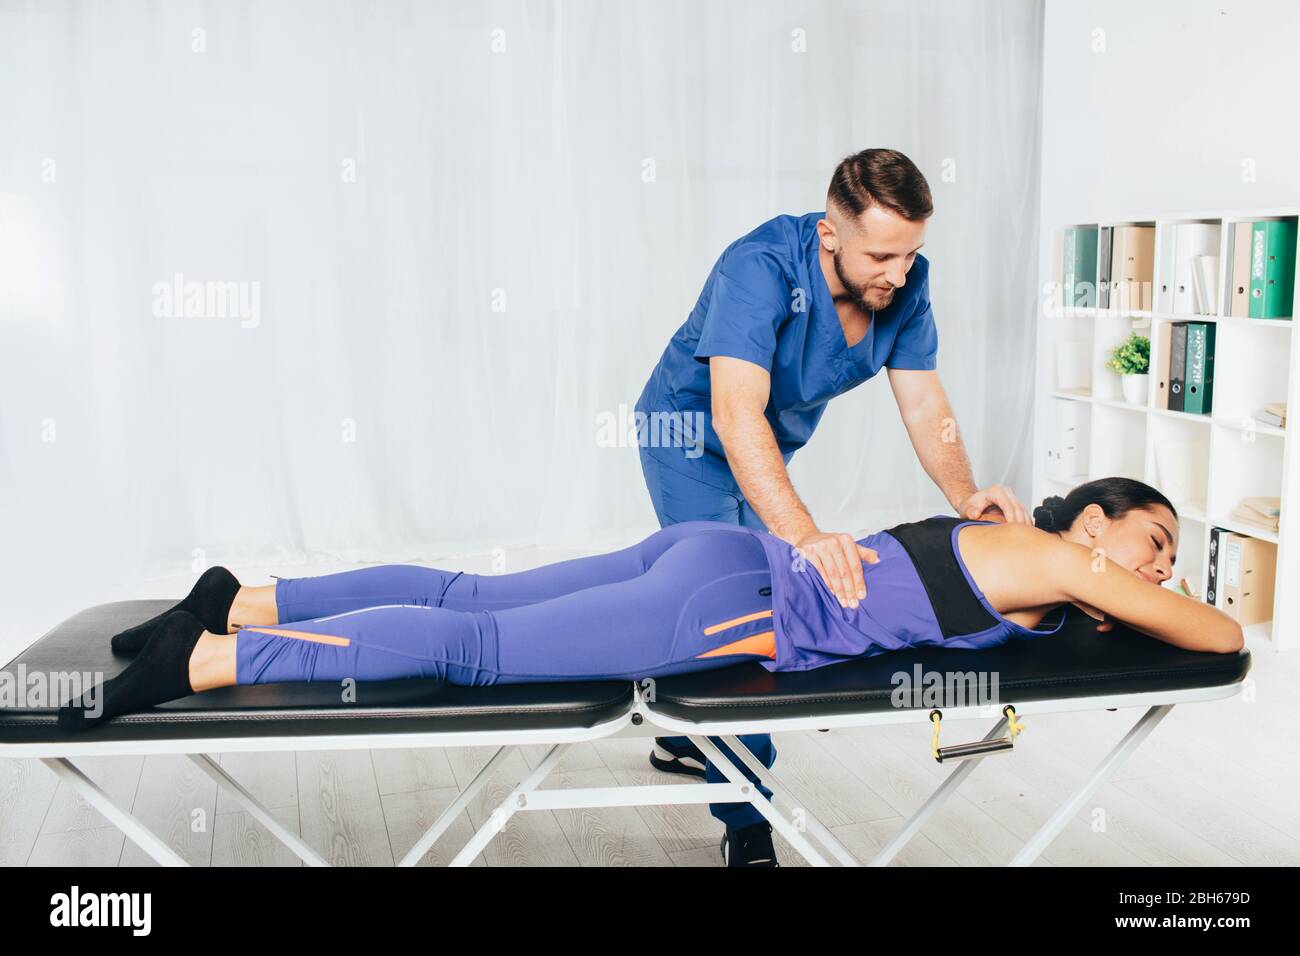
{"x":756,"y":463}
{"x":937,"y":440}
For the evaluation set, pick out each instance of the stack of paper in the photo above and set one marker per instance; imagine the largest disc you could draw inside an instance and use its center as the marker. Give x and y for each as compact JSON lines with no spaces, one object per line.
{"x":1259,"y":511}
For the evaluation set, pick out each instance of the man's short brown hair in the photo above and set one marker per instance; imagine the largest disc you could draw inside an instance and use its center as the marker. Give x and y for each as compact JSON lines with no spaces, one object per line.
{"x":882,"y":177}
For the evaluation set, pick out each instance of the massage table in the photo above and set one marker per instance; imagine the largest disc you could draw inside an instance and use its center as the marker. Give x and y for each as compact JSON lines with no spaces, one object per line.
{"x":1078,"y":669}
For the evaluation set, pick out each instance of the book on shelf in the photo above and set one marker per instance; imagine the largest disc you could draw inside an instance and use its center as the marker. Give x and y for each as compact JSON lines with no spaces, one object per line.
{"x":1273,"y":413}
{"x":1269,"y":507}
{"x":1261,"y":512}
{"x":1205,"y":284}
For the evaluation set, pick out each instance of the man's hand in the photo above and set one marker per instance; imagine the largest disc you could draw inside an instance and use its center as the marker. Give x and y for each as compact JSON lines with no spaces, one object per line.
{"x":999,"y":501}
{"x":838,"y":559}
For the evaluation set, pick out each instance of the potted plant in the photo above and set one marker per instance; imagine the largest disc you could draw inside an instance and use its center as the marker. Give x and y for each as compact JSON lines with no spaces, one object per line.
{"x":1131,"y":358}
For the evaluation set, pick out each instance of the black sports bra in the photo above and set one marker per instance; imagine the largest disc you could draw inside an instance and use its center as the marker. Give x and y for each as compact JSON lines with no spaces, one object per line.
{"x":932,"y":547}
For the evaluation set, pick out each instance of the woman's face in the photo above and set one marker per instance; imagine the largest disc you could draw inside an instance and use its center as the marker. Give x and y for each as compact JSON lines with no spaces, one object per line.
{"x":1145,"y":540}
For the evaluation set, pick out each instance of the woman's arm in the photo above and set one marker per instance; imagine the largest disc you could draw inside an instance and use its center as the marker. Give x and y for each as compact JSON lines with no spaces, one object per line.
{"x":1078,"y":575}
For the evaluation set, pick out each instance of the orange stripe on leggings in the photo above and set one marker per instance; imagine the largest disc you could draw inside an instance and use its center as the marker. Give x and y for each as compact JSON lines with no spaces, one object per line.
{"x":763,"y":645}
{"x":736,"y":621}
{"x":299,"y":635}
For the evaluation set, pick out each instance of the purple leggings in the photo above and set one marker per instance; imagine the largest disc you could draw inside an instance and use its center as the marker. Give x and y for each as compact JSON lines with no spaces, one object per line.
{"x":692,"y":596}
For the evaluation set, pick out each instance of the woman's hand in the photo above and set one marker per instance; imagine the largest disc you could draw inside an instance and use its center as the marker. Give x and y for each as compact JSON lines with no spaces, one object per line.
{"x":1107,"y":624}
{"x":838,"y":559}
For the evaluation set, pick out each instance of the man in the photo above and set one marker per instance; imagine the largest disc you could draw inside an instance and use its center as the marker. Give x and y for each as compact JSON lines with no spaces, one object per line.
{"x":799,"y":311}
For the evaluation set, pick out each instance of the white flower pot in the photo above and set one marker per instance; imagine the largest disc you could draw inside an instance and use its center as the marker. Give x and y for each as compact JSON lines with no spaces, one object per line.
{"x":1135,"y":388}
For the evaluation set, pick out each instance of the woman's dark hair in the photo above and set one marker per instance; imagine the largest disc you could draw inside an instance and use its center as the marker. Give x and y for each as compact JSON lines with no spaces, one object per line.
{"x":880,"y":176}
{"x":1116,"y":496}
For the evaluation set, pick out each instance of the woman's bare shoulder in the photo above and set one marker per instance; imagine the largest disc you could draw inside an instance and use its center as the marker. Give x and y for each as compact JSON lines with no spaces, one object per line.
{"x":1016,"y":564}
{"x":1005,"y":535}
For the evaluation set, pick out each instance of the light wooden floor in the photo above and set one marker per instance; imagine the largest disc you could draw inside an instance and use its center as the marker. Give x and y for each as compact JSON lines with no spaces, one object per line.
{"x":1215,"y":784}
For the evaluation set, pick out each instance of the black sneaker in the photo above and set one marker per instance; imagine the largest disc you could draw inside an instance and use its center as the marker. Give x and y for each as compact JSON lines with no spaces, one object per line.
{"x":749,"y":846}
{"x":685,"y":758}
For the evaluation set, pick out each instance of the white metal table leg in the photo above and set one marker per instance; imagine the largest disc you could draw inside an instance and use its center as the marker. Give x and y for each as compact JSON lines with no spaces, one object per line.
{"x":448,"y":816}
{"x":760,"y":802}
{"x":936,"y":800}
{"x":774,"y":783}
{"x":136,"y":831}
{"x":259,"y":812}
{"x":502,"y":814}
{"x":1109,"y":764}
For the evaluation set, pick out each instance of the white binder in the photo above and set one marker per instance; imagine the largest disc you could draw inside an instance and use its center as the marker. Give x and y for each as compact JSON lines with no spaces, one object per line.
{"x":1192,"y":239}
{"x":1166,"y":240}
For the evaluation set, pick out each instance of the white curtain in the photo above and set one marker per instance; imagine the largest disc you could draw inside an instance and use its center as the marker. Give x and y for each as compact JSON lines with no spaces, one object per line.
{"x":456,"y":237}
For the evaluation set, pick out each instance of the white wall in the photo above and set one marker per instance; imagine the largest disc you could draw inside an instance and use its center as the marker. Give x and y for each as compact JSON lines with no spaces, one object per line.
{"x":1173,"y":111}
{"x":379,"y":170}
{"x":1162,"y":107}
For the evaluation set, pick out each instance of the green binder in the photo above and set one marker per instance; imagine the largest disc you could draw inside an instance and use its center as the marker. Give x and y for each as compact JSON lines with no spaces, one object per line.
{"x":1272,"y":268}
{"x":1198,"y":374}
{"x":1085,"y":268}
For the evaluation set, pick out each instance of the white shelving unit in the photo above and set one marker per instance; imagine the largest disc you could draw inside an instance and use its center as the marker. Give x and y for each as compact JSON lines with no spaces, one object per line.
{"x":1233,"y":454}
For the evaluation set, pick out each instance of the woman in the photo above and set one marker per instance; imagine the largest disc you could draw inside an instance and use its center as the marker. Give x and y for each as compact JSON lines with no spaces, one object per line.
{"x":689,"y":597}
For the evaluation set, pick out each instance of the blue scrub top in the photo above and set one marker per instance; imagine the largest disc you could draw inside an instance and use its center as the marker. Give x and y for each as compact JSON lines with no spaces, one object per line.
{"x":766,"y":301}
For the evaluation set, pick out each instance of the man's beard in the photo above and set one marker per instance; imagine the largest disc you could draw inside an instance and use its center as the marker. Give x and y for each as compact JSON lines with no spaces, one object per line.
{"x":858,"y":294}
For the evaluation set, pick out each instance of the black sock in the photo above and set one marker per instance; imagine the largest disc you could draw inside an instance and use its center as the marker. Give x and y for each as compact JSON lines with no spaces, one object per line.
{"x":161,"y":673}
{"x":209,"y":600}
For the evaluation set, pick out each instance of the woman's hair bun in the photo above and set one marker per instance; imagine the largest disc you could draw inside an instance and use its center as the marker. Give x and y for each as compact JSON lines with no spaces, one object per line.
{"x":1045,"y":514}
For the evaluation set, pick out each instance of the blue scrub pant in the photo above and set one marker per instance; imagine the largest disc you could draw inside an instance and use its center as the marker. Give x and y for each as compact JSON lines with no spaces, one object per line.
{"x":680,"y":490}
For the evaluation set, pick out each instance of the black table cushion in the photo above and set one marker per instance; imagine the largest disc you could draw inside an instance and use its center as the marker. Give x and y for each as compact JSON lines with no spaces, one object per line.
{"x":81,"y":644}
{"x":1077,"y":661}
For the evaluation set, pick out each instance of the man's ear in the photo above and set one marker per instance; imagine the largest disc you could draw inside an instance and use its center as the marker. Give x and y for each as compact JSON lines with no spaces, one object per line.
{"x":828,"y":237}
